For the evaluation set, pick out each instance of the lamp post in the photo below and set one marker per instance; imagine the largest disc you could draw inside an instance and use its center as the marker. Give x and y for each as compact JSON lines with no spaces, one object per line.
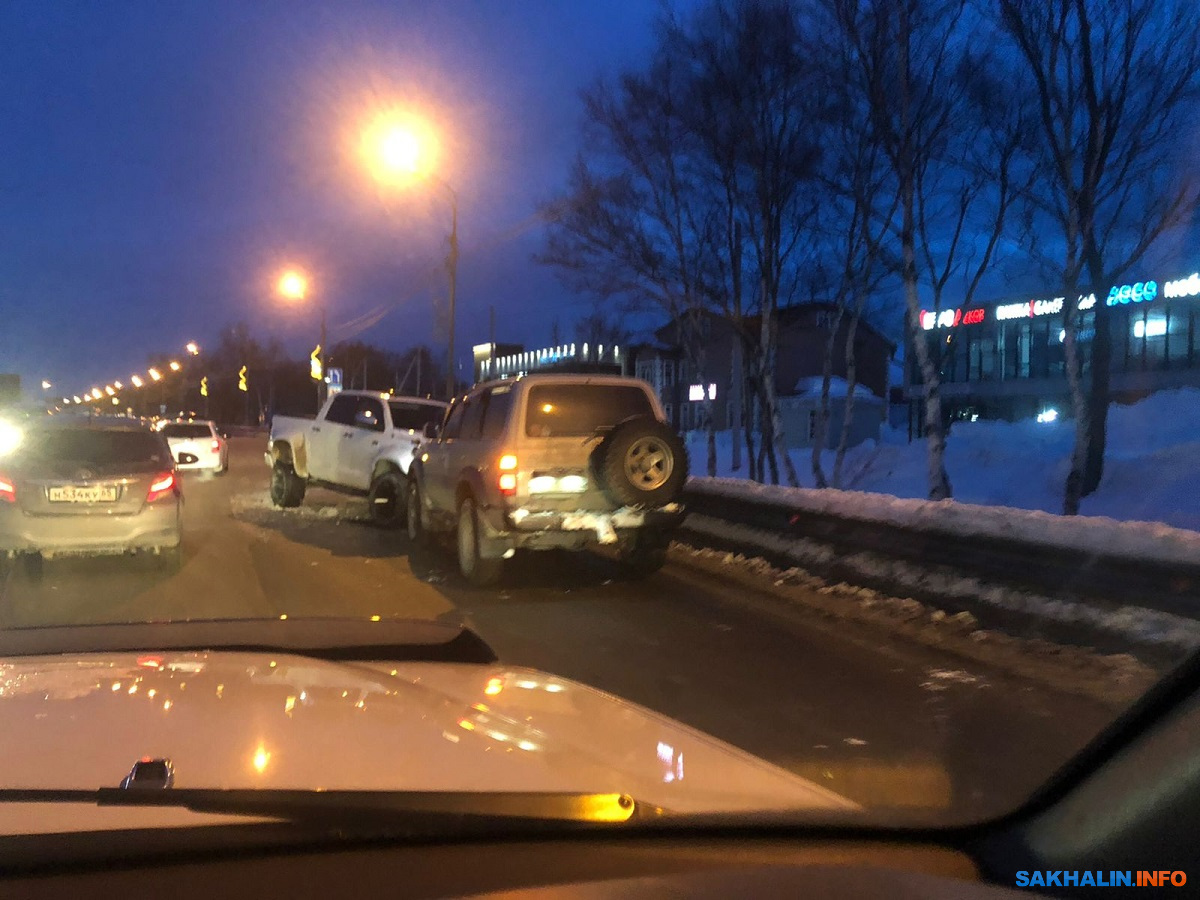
{"x":293,"y":285}
{"x":400,"y":150}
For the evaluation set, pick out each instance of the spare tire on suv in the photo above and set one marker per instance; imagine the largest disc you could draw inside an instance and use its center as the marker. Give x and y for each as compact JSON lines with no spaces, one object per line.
{"x":642,"y":462}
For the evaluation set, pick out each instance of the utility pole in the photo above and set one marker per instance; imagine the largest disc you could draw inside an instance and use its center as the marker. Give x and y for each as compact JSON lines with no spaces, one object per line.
{"x":452,"y":266}
{"x":321,"y":356}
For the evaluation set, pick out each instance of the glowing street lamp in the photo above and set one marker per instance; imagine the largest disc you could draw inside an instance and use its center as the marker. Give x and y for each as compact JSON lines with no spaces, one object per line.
{"x":95,"y":393}
{"x":293,"y":285}
{"x":193,"y":348}
{"x":118,"y":385}
{"x":399,"y":149}
{"x":108,"y":389}
{"x":136,"y":381}
{"x":155,"y":375}
{"x":175,"y":367}
{"x":46,"y":385}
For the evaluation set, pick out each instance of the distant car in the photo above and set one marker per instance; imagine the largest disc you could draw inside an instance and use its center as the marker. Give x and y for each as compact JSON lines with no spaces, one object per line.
{"x":89,"y":487}
{"x":551,"y":461}
{"x":199,"y":438}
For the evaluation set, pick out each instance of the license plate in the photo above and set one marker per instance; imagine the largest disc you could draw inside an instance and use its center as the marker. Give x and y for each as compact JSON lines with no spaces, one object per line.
{"x":92,"y":493}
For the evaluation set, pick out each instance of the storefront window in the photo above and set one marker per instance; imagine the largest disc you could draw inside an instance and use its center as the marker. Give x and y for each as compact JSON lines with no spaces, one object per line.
{"x":1178,"y":327}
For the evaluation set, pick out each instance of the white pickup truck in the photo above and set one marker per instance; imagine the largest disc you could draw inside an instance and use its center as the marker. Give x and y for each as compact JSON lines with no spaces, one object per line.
{"x":360,"y":442}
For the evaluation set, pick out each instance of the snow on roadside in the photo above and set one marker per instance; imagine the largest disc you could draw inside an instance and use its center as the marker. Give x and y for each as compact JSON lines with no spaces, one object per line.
{"x":1094,"y":534}
{"x":339,"y":509}
{"x":1151,"y":471}
{"x":1111,"y":678}
{"x":1144,"y":626}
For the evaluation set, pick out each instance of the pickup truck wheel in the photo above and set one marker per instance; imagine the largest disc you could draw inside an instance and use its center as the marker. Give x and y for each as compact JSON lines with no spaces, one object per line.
{"x":645,"y":554}
{"x":416,"y":528}
{"x":287,"y":488}
{"x":480,"y":572}
{"x":388,"y":497}
{"x":642,"y":463}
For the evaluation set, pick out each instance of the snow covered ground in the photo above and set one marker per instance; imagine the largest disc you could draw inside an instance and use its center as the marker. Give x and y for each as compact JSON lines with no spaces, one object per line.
{"x":1152,"y":469}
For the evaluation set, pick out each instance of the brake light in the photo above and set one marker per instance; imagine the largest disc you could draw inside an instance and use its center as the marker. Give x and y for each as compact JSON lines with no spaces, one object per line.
{"x":216,"y":444}
{"x":8,"y":492}
{"x":161,"y":486}
{"x":508,"y":478}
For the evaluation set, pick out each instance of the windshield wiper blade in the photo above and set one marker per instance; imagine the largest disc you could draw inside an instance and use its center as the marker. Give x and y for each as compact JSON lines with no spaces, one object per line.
{"x":360,"y":809}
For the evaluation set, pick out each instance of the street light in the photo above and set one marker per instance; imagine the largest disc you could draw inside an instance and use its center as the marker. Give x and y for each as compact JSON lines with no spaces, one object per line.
{"x":175,"y":367}
{"x":193,"y":348}
{"x":155,"y":375}
{"x":293,"y":286}
{"x":46,"y":385}
{"x":400,"y":150}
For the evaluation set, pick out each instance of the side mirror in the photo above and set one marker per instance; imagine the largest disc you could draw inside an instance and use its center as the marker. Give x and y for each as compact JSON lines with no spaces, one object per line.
{"x":430,"y":431}
{"x":186,"y":459}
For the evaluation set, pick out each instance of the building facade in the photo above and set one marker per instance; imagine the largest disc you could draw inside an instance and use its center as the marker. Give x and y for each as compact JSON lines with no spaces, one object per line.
{"x":1006,"y":360}
{"x":803,"y":332}
{"x":493,"y":361}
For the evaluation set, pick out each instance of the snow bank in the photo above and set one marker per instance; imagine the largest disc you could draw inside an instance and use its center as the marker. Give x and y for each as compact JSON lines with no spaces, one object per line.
{"x":810,"y":387}
{"x":1135,"y":540}
{"x":1152,"y":473}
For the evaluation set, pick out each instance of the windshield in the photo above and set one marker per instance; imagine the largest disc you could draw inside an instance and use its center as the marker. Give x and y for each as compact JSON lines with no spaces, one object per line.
{"x":415,"y":416}
{"x":187,"y":431}
{"x":816,"y":392}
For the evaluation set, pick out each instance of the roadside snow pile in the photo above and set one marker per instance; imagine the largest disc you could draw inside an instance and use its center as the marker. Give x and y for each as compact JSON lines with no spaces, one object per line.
{"x":1089,"y":534}
{"x":1151,"y":471}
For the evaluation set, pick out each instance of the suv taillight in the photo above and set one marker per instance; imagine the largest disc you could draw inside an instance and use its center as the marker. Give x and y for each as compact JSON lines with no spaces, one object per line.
{"x":161,"y":486}
{"x":507,"y":483}
{"x":8,"y":492}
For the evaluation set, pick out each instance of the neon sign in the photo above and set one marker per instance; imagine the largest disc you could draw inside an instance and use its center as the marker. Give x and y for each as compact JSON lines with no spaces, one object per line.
{"x":951,"y":318}
{"x":1184,"y":287}
{"x":1030,"y":309}
{"x":1140,"y":292}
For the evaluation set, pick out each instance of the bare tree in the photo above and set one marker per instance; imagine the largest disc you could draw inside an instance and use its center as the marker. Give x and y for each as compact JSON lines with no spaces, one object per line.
{"x":950,"y":136}
{"x":1116,"y":85}
{"x":758,"y":106}
{"x":634,"y":224}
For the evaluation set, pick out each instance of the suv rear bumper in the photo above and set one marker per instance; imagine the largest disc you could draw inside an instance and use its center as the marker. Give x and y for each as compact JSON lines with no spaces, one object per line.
{"x":507,"y":530}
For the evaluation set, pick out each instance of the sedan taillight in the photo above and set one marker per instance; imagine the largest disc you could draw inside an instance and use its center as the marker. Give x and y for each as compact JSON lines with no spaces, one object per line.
{"x":161,"y":486}
{"x":8,"y":491}
{"x":216,"y":444}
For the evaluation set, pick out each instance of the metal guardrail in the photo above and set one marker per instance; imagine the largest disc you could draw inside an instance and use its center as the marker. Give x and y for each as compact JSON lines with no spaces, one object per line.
{"x":1054,"y":571}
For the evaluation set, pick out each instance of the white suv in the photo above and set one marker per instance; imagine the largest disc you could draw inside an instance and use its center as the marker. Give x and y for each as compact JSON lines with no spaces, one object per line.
{"x":200,"y":439}
{"x":551,"y":461}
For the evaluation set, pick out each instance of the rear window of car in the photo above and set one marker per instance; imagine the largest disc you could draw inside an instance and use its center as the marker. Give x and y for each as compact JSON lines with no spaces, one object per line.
{"x":96,"y":447}
{"x":569,"y":410}
{"x":415,"y":416}
{"x":186,"y":430}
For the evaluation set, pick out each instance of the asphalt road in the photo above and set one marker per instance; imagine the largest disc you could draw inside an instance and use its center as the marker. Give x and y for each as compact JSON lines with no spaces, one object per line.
{"x":895,"y":725}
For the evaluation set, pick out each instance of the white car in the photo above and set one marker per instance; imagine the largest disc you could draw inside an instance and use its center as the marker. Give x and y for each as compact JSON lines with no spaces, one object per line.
{"x":198,"y":438}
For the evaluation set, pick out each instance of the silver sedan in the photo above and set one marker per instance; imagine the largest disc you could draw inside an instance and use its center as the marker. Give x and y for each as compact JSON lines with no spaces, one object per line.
{"x":88,"y":487}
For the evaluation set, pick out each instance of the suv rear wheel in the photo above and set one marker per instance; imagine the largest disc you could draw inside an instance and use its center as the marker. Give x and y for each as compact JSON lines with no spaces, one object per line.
{"x":477,"y":570}
{"x":643,"y":463}
{"x":416,"y":528}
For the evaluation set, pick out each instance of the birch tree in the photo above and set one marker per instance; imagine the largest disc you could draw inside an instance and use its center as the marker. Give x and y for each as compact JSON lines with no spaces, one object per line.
{"x":1116,"y":89}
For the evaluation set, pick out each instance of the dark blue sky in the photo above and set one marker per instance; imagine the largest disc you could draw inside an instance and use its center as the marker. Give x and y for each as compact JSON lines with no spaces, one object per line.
{"x":159,"y":162}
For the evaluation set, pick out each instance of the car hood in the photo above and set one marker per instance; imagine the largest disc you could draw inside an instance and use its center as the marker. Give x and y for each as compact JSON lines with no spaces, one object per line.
{"x":252,"y":720}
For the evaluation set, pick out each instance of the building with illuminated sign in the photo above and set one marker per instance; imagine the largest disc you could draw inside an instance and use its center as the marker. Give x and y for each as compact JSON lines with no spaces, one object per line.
{"x":1006,"y":360}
